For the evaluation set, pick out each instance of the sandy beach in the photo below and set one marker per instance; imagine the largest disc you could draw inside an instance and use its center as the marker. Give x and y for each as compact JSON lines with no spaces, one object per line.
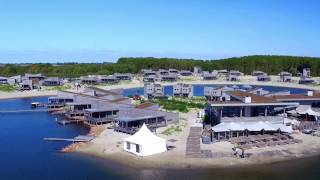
{"x":26,"y":94}
{"x":109,"y":145}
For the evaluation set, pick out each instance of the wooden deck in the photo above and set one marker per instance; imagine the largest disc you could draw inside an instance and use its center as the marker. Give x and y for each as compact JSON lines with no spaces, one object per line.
{"x":193,"y":149}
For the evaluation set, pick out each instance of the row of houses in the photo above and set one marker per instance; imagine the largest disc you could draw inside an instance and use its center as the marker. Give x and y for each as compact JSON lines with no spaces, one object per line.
{"x":150,"y":75}
{"x":97,"y":106}
{"x":156,"y":90}
{"x":110,"y":79}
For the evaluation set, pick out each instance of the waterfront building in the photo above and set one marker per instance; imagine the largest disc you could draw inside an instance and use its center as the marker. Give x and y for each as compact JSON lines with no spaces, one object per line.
{"x":148,"y":72}
{"x":25,"y":85}
{"x":217,"y":93}
{"x":244,"y":105}
{"x":185,"y":73}
{"x":306,"y":77}
{"x":285,"y":76}
{"x":222,"y":72}
{"x":91,"y":79}
{"x":3,"y":80}
{"x":197,"y":70}
{"x":152,"y":90}
{"x":206,"y":75}
{"x":259,"y":91}
{"x":111,"y":79}
{"x":174,"y":71}
{"x":163,"y":72}
{"x":51,"y":81}
{"x":257,"y":73}
{"x":126,"y":76}
{"x":183,"y":90}
{"x":149,"y":78}
{"x":234,"y":75}
{"x":168,"y":77}
{"x":263,"y":77}
{"x":101,"y":115}
{"x":310,"y":98}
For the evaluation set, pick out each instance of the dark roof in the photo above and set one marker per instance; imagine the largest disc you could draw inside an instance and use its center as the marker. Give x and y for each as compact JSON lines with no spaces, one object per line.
{"x":254,"y":98}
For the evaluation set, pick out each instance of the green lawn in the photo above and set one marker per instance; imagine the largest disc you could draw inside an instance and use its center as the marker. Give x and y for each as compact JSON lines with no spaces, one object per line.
{"x":7,"y":88}
{"x":181,"y":105}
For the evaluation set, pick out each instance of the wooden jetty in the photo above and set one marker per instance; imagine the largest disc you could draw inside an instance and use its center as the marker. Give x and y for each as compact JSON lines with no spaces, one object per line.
{"x":193,"y":149}
{"x":23,"y":110}
{"x":80,"y":138}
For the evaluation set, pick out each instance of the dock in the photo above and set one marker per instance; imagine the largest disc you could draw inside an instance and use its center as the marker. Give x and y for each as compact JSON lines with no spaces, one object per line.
{"x":80,"y":138}
{"x":23,"y":110}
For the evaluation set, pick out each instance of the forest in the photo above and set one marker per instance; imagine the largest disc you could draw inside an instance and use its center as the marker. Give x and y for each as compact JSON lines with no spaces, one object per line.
{"x":270,"y":64}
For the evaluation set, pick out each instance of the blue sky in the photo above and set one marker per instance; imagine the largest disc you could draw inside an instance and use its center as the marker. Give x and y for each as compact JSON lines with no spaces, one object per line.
{"x":101,"y":30}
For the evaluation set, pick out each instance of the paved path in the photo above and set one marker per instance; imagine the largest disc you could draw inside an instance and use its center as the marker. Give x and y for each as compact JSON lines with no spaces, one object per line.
{"x":193,"y":145}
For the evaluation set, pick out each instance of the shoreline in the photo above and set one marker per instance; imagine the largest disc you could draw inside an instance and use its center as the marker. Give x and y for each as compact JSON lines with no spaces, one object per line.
{"x":26,"y":94}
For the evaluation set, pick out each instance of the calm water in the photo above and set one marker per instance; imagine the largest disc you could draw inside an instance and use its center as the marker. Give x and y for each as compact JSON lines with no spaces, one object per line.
{"x":24,"y":155}
{"x":198,"y":90}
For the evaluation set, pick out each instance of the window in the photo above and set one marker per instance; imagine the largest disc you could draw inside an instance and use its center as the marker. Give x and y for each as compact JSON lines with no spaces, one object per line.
{"x":137,"y":148}
{"x":128,"y":145}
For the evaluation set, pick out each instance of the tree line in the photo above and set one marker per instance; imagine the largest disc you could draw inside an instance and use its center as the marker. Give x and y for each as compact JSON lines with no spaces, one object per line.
{"x":270,"y":64}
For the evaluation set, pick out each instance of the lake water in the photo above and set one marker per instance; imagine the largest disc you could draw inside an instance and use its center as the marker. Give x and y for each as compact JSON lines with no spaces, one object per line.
{"x":198,"y":90}
{"x":25,"y":155}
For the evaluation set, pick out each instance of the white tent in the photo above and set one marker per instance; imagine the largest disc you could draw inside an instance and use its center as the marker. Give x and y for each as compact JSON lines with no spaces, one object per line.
{"x":144,"y":143}
{"x":251,"y":126}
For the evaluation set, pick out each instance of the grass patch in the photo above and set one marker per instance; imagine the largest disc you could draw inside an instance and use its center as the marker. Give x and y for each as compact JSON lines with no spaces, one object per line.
{"x":181,"y":105}
{"x":7,"y":88}
{"x":171,"y":130}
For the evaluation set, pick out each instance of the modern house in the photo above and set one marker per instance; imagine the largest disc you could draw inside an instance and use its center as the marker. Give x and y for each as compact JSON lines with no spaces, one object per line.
{"x":148,"y":72}
{"x":168,"y":77}
{"x":101,"y":115}
{"x":149,"y":78}
{"x":243,"y":105}
{"x":111,"y":79}
{"x":234,"y":75}
{"x":91,"y":79}
{"x":174,"y":71}
{"x":131,"y":119}
{"x":217,"y":93}
{"x":257,"y":73}
{"x":263,"y":77}
{"x":126,"y":76}
{"x":197,"y":70}
{"x":183,"y":90}
{"x":306,"y":77}
{"x":26,"y":85}
{"x":206,"y":75}
{"x":152,"y":90}
{"x":185,"y":73}
{"x":3,"y":80}
{"x":51,"y":81}
{"x":285,"y":76}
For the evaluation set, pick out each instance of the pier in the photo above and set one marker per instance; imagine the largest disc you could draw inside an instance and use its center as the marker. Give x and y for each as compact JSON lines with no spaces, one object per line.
{"x":23,"y":110}
{"x":80,"y":138}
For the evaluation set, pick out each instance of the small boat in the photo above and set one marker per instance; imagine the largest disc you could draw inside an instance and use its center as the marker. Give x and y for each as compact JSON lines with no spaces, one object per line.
{"x":35,"y":104}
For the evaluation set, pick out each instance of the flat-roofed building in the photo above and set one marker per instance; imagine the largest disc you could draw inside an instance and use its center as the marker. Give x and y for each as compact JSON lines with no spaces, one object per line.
{"x":206,"y":75}
{"x":217,"y":93}
{"x":168,"y":77}
{"x":110,"y":79}
{"x":51,"y":81}
{"x":183,"y":90}
{"x":306,"y":77}
{"x":234,"y":75}
{"x":285,"y":76}
{"x":309,"y":98}
{"x":125,"y":76}
{"x":263,"y":77}
{"x":152,"y":90}
{"x":173,"y":71}
{"x":243,"y":105}
{"x":3,"y":80}
{"x":101,"y":115}
{"x":91,"y":79}
{"x":185,"y":73}
{"x":257,"y":73}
